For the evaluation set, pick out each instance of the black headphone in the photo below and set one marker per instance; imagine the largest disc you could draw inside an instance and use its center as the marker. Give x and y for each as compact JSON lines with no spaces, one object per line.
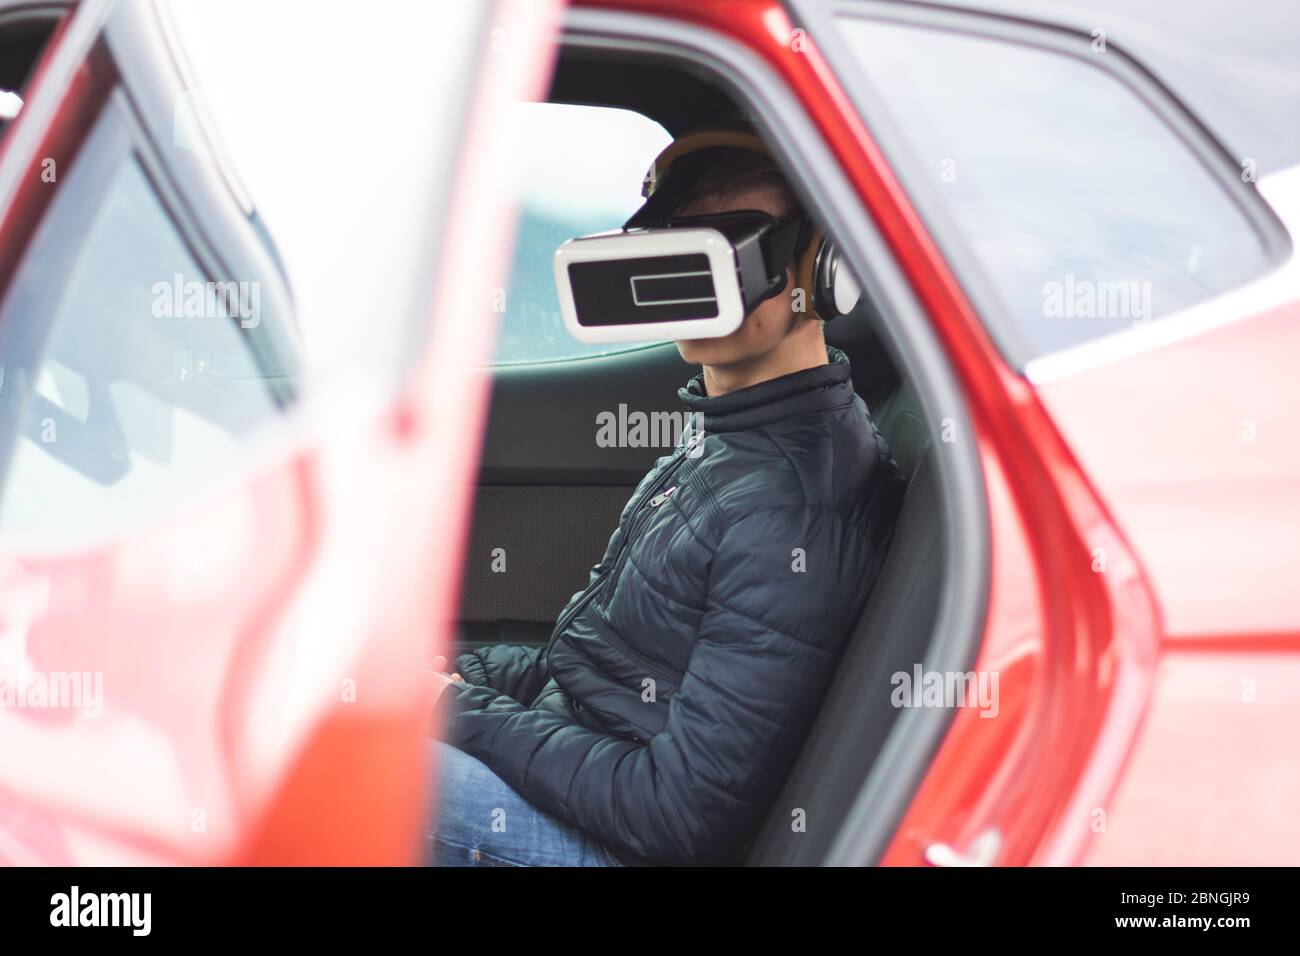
{"x":835,"y":290}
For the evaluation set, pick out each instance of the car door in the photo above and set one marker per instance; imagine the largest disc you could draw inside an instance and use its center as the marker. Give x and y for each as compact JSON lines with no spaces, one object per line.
{"x":238,"y":437}
{"x":1105,"y":238}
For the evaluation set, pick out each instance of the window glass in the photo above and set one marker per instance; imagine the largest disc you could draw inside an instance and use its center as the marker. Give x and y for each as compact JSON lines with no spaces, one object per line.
{"x":129,"y":368}
{"x":580,"y":172}
{"x":353,"y":172}
{"x":1085,"y":213}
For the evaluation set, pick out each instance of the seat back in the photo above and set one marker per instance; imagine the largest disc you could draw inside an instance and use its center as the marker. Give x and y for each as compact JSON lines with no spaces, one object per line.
{"x":892,"y":634}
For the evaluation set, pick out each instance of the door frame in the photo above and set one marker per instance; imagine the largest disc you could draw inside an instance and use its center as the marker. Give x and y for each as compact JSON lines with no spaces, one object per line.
{"x":916,"y":735}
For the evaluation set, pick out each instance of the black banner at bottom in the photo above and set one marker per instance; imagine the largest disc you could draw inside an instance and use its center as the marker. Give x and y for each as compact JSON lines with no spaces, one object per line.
{"x":602,"y":906}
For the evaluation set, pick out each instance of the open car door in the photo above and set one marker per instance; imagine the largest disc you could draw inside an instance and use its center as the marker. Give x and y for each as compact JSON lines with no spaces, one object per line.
{"x":237,"y":441}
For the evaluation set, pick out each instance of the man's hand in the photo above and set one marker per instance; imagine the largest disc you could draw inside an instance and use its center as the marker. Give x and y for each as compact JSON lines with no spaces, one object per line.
{"x":440,"y":677}
{"x":440,"y":664}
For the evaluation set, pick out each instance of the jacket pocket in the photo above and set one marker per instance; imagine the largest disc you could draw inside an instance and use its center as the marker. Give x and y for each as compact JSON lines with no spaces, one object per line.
{"x":658,"y":671}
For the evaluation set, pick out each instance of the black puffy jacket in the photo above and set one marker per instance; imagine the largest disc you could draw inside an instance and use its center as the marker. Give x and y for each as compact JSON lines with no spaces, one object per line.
{"x":679,"y":684}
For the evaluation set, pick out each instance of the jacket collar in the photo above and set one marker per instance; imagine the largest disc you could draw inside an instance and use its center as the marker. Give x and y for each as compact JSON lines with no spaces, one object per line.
{"x":813,"y":389}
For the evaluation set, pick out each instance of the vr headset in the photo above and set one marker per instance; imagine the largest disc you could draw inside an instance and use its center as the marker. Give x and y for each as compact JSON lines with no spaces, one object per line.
{"x":666,"y":277}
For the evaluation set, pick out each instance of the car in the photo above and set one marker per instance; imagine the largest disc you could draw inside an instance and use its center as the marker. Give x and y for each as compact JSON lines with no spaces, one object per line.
{"x":289,"y":410}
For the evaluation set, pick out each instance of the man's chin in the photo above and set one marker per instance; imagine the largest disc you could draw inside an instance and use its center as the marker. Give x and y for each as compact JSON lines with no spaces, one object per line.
{"x":703,"y":351}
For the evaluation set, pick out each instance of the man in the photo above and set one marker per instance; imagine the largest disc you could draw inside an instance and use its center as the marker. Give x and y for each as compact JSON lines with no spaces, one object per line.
{"x":660,"y":723}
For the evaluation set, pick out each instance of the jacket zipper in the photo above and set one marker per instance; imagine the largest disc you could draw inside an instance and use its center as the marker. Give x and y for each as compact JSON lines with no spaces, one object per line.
{"x":596,"y":587}
{"x":583,"y":601}
{"x":638,"y":521}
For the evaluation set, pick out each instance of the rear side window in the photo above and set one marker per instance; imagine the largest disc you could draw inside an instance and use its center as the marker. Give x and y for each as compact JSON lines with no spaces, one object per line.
{"x":1077,"y":208}
{"x":579,"y":171}
{"x":126,"y":364}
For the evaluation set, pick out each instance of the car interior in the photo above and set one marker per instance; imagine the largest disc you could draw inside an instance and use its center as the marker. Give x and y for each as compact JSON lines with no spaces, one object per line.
{"x":549,"y":496}
{"x":23,"y":36}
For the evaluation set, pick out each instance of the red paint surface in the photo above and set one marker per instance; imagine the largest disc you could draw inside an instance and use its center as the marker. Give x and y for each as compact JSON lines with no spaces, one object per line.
{"x":263,"y":652}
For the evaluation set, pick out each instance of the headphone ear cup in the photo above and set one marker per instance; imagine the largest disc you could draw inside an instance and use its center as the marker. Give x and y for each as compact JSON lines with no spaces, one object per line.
{"x":835,"y":289}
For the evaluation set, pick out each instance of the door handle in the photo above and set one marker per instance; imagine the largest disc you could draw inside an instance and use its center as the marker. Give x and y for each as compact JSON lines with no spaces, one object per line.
{"x":983,"y":851}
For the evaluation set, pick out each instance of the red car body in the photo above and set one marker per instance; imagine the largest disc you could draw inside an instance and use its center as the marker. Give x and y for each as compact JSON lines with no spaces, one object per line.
{"x":1148,"y":704}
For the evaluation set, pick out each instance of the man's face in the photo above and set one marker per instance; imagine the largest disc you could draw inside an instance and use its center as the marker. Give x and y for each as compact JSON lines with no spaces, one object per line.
{"x":769,"y":323}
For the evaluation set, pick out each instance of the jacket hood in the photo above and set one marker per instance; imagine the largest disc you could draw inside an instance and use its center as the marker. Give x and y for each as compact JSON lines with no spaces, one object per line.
{"x":812,"y":389}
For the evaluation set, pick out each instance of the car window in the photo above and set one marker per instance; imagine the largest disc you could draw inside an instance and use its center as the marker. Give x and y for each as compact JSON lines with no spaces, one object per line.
{"x":1080,"y":209}
{"x":580,"y":172}
{"x":123,"y":362}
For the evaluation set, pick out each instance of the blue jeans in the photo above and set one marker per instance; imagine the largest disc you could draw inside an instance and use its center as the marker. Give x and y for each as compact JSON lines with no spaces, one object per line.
{"x":480,"y":821}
